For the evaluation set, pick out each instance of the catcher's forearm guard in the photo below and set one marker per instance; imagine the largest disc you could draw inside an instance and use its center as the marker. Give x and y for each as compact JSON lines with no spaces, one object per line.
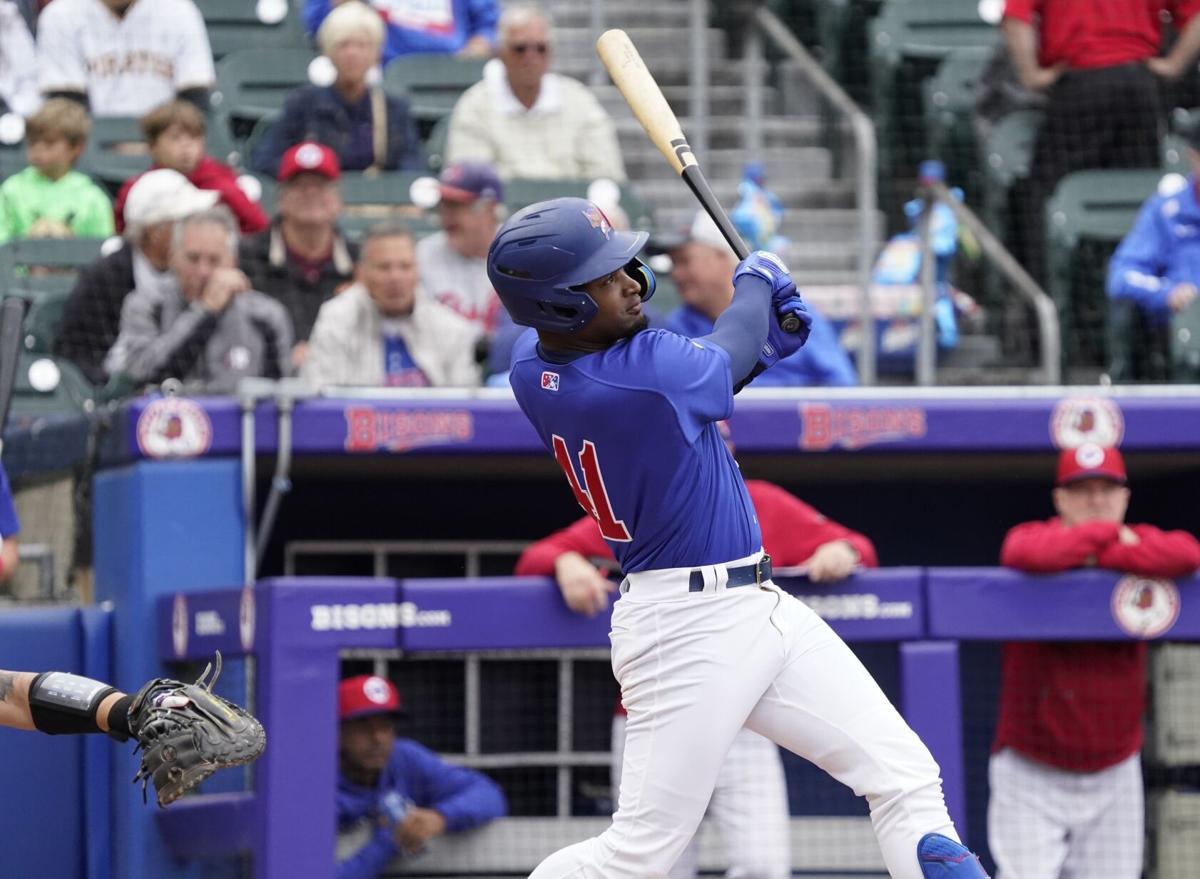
{"x":66,"y":704}
{"x":186,"y":732}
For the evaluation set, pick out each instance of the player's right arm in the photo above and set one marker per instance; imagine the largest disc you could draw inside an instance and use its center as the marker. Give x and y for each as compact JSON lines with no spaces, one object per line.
{"x":741,"y":329}
{"x":1049,"y":547}
{"x":14,"y":699}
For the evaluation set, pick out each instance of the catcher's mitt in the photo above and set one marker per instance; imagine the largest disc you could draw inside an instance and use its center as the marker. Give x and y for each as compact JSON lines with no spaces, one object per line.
{"x":187,"y":732}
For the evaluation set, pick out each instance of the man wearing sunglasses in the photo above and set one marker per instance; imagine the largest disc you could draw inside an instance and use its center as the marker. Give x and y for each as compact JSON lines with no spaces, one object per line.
{"x":527,"y":122}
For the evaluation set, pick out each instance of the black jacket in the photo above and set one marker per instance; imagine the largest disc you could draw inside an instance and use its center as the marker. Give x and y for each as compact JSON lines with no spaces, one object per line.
{"x":92,"y":316}
{"x":264,"y":259}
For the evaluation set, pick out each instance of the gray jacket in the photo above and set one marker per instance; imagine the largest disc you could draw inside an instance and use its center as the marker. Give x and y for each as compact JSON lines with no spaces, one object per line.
{"x":162,"y":336}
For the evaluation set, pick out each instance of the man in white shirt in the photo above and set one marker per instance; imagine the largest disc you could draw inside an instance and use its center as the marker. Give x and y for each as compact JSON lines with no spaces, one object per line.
{"x":452,"y":263}
{"x":124,"y":57}
{"x":18,"y":62}
{"x":379,"y":332}
{"x":527,"y":122}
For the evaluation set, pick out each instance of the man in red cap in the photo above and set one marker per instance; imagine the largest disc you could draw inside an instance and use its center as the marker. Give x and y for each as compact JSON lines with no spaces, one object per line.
{"x":302,"y":259}
{"x":394,"y":795}
{"x":1065,"y":772}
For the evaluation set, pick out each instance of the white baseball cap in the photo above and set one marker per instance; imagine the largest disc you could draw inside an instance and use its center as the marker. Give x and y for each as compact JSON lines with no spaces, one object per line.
{"x":702,"y":230}
{"x":163,"y":196}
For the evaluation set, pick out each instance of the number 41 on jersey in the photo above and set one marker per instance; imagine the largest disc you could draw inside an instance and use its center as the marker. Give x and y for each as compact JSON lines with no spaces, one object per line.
{"x":591,"y":493}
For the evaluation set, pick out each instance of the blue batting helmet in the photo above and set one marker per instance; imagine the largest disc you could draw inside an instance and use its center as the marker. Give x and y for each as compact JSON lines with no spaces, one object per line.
{"x":545,"y":253}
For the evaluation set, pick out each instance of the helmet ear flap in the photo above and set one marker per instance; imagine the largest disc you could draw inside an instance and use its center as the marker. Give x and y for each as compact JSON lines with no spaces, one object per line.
{"x":644,"y":275}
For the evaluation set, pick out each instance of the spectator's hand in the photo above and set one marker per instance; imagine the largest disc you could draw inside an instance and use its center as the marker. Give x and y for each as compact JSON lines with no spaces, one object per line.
{"x":1041,"y":78}
{"x":1128,"y":536}
{"x":224,"y":284}
{"x":1164,"y":68}
{"x":832,"y":562}
{"x":1181,"y":296}
{"x":418,"y":827}
{"x":583,"y":587}
{"x":476,"y":47}
{"x":299,"y":352}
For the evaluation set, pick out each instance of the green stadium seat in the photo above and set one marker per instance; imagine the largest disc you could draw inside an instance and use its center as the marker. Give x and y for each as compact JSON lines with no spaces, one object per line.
{"x":520,"y":193}
{"x":61,"y":256}
{"x":47,"y":384}
{"x":949,"y":97}
{"x":432,"y":83}
{"x":908,"y":42}
{"x":253,"y":84}
{"x":233,"y":25}
{"x":43,"y":317}
{"x":115,"y":152}
{"x":1086,"y":218}
{"x":435,"y":145}
{"x":1185,"y":345}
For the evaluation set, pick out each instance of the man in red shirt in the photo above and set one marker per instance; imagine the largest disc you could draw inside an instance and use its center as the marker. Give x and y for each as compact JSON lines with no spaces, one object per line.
{"x":749,"y":802}
{"x":1099,"y":64}
{"x":1065,"y":772}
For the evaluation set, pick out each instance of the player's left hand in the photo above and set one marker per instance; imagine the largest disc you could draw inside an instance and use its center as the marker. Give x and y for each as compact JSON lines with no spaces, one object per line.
{"x":832,"y":562}
{"x":187,"y":732}
{"x":418,"y":827}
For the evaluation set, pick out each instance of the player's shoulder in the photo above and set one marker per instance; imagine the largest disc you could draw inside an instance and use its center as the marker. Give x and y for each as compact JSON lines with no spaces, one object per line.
{"x":662,"y":346}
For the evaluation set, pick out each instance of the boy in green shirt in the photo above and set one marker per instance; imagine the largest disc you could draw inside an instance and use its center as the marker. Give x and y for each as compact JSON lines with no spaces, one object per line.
{"x":50,"y":199}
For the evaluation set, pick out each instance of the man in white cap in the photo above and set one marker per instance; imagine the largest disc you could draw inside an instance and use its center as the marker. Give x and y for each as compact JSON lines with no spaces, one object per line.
{"x":92,"y":317}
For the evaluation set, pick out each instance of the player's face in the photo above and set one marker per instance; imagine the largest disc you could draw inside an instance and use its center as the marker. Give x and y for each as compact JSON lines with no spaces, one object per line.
{"x":178,"y":149}
{"x":388,"y":269}
{"x":53,"y":158}
{"x":1091,"y":500}
{"x":366,"y":743}
{"x":202,"y":250}
{"x":618,"y":297}
{"x":526,"y":54}
{"x":309,"y":200}
{"x":469,"y":228}
{"x":702,"y":275}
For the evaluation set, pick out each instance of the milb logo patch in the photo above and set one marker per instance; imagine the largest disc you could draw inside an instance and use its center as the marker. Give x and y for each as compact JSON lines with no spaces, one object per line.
{"x":549,"y":381}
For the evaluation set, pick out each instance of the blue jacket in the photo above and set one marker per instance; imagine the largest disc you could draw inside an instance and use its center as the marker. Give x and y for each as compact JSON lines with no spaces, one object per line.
{"x":319,"y":113}
{"x":471,"y":18}
{"x":822,"y":361}
{"x":465,"y":798}
{"x":1161,"y":250}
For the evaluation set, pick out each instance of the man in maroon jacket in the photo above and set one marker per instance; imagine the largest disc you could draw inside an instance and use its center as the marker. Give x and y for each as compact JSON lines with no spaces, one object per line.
{"x":1065,"y":772}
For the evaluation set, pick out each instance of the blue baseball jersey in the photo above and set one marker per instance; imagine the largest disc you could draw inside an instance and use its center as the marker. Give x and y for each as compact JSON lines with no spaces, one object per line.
{"x":634,"y":429}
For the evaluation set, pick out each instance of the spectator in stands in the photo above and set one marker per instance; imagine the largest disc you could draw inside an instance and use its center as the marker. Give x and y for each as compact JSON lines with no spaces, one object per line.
{"x":367,"y":128}
{"x":749,"y":803}
{"x":302,"y":259}
{"x":381,"y":332}
{"x":394,"y":794}
{"x":18,"y":63}
{"x":1101,"y":72}
{"x":527,"y":122}
{"x":50,"y":199}
{"x":205,"y":325}
{"x":452,"y":263}
{"x":92,"y":316}
{"x":10,"y":525}
{"x":463,"y":27}
{"x":1157,"y":264}
{"x":702,"y":264}
{"x":124,"y":57}
{"x":175,"y":134}
{"x":1066,"y":780}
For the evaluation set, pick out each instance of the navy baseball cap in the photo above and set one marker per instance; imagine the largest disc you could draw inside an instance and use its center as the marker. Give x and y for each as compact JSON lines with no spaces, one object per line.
{"x":465,"y":182}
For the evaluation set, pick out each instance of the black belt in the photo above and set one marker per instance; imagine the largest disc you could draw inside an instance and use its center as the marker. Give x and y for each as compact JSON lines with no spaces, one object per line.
{"x":743,"y":575}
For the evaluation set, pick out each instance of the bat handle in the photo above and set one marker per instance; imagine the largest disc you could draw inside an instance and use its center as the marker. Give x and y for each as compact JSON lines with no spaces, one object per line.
{"x":789,"y":323}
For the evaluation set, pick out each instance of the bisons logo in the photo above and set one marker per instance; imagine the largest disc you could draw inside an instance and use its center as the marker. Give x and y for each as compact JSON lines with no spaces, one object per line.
{"x":824,"y":427}
{"x":173,"y":428}
{"x":1079,"y":420}
{"x":373,"y":430}
{"x":1145,"y":607}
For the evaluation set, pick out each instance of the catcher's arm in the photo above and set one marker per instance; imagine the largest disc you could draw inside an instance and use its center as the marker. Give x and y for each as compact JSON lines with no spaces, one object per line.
{"x":36,"y":701}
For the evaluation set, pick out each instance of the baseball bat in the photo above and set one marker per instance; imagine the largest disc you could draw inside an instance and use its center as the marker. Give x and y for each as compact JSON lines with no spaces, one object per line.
{"x":636,"y":83}
{"x":12,"y":314}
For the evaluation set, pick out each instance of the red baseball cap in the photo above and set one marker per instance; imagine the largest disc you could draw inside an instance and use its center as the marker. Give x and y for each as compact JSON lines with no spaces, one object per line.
{"x":365,"y":695}
{"x":309,"y":157}
{"x":1090,"y":461}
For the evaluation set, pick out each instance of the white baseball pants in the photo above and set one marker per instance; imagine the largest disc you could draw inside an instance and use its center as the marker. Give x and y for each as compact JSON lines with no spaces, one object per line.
{"x":1047,"y":823}
{"x":694,"y":668}
{"x":749,"y":806}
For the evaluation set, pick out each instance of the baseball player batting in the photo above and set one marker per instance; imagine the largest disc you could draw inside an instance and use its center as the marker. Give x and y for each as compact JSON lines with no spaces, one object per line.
{"x":703,"y":642}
